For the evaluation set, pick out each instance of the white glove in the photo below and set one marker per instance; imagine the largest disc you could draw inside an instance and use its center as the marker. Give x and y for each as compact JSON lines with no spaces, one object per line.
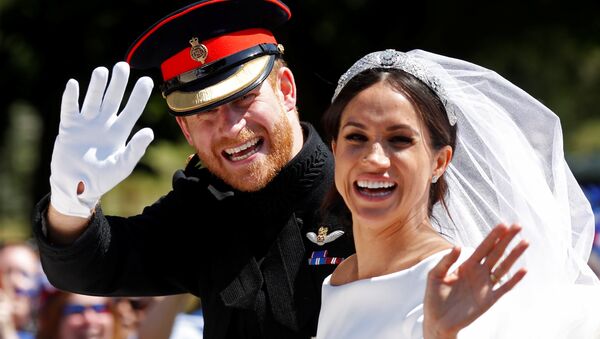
{"x":90,"y":146}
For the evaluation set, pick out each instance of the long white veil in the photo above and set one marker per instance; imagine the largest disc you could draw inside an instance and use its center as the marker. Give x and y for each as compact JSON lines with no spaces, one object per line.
{"x":509,"y":166}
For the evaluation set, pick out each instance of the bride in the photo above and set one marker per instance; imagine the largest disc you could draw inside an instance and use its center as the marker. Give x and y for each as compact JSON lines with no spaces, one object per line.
{"x":429,"y":152}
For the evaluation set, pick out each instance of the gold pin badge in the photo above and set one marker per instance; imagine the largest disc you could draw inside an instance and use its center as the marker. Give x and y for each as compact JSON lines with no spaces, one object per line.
{"x":322,"y":237}
{"x":199,"y":52}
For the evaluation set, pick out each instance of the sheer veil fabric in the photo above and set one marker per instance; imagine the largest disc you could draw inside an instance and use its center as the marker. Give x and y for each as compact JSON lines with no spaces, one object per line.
{"x":509,"y":166}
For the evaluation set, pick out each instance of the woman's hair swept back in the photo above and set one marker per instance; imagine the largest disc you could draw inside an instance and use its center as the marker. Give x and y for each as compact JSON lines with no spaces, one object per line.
{"x":428,"y":106}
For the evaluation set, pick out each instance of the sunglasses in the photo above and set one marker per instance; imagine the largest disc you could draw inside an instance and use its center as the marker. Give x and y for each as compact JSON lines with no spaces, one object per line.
{"x":71,"y":309}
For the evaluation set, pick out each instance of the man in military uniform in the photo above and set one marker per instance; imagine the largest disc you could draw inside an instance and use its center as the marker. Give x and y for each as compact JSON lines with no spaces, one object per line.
{"x":239,"y":228}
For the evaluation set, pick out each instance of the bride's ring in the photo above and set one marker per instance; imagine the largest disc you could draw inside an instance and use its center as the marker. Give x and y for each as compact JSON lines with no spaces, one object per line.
{"x":493,"y":277}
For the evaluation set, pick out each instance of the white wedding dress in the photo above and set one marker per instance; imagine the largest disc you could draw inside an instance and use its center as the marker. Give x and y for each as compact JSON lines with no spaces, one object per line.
{"x":391,"y":307}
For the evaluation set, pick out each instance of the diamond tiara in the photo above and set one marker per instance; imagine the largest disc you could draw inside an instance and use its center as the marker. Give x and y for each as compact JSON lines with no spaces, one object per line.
{"x":390,"y":58}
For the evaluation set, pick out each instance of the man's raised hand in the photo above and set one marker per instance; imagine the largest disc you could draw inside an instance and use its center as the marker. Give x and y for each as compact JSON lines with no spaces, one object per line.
{"x":90,"y":154}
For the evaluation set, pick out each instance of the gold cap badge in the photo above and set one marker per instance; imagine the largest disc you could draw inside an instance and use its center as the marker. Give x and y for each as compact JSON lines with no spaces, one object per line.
{"x":199,"y":52}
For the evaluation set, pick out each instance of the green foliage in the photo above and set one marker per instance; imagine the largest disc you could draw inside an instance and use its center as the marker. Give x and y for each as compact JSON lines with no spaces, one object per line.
{"x":551,"y":49}
{"x":20,"y":157}
{"x":587,"y":139}
{"x":150,"y":181}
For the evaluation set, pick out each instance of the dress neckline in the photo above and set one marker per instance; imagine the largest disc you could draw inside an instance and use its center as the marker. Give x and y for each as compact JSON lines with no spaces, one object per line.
{"x":391,"y":275}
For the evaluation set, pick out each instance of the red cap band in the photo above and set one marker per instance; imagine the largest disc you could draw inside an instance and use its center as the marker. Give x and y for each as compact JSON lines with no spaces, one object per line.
{"x":218,"y":48}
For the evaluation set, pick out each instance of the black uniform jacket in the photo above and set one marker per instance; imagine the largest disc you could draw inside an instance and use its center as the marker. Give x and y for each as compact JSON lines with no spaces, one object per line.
{"x":256,"y":260}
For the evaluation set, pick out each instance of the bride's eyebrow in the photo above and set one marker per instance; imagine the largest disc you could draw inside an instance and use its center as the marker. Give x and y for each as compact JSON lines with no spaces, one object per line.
{"x":391,"y":128}
{"x":354,"y":124}
{"x":396,"y":127}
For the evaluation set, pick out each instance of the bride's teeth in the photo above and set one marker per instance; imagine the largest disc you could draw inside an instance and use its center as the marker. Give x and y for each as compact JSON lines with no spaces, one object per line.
{"x":235,"y":150}
{"x":375,"y":184}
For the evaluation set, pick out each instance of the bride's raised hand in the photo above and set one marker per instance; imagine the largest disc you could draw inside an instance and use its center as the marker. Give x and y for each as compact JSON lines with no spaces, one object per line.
{"x":453,"y":300}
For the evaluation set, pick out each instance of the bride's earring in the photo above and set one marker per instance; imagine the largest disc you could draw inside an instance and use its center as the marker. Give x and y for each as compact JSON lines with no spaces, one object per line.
{"x":434,"y":179}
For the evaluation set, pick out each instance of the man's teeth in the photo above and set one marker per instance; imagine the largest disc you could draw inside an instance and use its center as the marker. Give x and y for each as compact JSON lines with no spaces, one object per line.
{"x":244,"y":156}
{"x":234,"y":150}
{"x":375,"y":184}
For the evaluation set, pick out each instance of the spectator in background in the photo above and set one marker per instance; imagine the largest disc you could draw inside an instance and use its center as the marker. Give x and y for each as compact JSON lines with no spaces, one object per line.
{"x":189,"y":324}
{"x":65,"y":315}
{"x":162,"y":319}
{"x":19,"y":273}
{"x":7,"y":325}
{"x":130,"y":312}
{"x":157,"y":317}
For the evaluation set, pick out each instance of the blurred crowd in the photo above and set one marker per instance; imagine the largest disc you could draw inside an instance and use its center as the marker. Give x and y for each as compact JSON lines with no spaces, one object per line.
{"x":30,"y":307}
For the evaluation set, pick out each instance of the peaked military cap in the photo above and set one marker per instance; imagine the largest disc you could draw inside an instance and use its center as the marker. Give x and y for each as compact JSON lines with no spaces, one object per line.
{"x":211,"y":52}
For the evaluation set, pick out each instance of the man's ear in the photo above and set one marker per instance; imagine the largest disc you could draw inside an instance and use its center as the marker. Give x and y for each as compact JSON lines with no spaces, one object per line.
{"x":442,"y":160}
{"x":287,"y":88}
{"x":184,"y":129}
